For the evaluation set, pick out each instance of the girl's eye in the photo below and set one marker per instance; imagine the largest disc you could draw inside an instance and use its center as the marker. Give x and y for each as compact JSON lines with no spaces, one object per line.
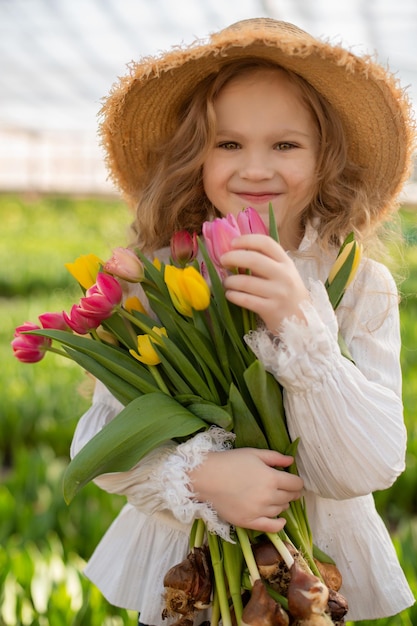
{"x":228,"y":145}
{"x":285,"y":145}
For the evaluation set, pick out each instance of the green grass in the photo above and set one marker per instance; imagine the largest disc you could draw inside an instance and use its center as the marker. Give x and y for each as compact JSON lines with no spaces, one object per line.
{"x":43,"y":542}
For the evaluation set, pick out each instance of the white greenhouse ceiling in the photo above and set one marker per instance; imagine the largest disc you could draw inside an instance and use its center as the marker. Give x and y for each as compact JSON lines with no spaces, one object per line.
{"x":59,"y":57}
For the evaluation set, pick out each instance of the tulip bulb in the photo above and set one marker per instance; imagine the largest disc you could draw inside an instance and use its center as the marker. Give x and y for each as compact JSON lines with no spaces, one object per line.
{"x":307,"y":594}
{"x":188,"y":584}
{"x":330,"y":574}
{"x":262,"y":610}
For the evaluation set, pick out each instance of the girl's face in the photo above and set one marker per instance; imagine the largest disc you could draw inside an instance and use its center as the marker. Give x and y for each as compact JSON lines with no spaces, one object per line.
{"x":265,"y":151}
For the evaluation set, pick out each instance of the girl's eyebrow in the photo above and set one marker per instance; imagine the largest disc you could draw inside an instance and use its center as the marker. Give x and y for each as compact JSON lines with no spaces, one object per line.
{"x":283,"y":132}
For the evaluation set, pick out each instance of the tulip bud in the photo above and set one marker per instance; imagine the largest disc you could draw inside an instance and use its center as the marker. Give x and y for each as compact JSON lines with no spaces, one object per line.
{"x":187,"y":288}
{"x":250,"y":222}
{"x":53,"y":320}
{"x":184,"y":247}
{"x":218,"y":235}
{"x":146,"y":352}
{"x":85,"y":269}
{"x":79,"y":320}
{"x":103,"y":298}
{"x":343,"y":270}
{"x":125,"y":265}
{"x":350,"y":248}
{"x":134,"y":304}
{"x":29,"y":348}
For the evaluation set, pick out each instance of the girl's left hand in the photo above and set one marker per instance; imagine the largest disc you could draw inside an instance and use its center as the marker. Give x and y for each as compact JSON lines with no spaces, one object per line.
{"x":272,"y":288}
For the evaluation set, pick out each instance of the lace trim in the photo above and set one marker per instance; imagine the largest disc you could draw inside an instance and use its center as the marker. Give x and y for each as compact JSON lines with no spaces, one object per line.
{"x":301,"y":354}
{"x":176,"y":490}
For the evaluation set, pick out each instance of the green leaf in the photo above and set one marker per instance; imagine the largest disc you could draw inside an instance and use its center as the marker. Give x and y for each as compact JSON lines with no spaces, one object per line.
{"x":273,"y":230}
{"x":120,"y":329}
{"x":154,"y":275}
{"x":267,"y":398}
{"x":123,"y":391}
{"x":224,"y":309}
{"x":147,"y":422}
{"x":177,"y":358}
{"x":113,"y":358}
{"x":248,"y":433}
{"x":212,"y":414}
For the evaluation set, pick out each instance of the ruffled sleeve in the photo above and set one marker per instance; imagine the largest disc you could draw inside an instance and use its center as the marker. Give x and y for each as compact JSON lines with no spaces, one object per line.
{"x":349,"y":417}
{"x":159,"y":482}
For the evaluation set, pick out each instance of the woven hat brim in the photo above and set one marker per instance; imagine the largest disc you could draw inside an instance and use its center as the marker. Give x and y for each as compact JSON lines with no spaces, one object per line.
{"x":142,"y":107}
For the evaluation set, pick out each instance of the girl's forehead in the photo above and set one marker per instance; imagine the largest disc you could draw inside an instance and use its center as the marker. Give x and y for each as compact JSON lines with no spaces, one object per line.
{"x":260,"y":91}
{"x":256,"y":75}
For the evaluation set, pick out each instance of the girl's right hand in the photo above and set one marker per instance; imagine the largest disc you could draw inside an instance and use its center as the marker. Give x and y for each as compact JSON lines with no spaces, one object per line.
{"x":245,"y":488}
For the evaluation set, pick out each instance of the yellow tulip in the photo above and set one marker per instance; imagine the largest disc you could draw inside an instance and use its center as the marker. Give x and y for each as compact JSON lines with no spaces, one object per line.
{"x":157,"y":263}
{"x":187,"y":288}
{"x":341,"y":260}
{"x":85,"y":269}
{"x":134,"y":304}
{"x":146,"y":352}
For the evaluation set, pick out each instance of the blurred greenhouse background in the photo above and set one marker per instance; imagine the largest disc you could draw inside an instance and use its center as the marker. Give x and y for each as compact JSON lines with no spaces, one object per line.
{"x":57,"y":59}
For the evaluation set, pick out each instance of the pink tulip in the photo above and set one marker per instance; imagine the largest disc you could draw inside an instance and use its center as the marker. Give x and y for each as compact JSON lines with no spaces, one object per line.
{"x":250,"y":222}
{"x":80,"y":321}
{"x":54,"y":321}
{"x":125,"y":265}
{"x":184,"y":247}
{"x":102,"y":298}
{"x":218,"y":234}
{"x":29,"y":348}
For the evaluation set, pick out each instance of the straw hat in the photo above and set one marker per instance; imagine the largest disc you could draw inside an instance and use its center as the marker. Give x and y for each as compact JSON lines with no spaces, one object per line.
{"x":142,"y":107}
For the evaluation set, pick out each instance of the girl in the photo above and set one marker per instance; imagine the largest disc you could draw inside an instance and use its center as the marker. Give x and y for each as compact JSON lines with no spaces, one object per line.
{"x":263,"y":113}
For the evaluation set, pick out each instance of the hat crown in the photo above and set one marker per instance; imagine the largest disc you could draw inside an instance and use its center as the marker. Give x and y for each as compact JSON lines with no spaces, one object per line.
{"x":265,"y":25}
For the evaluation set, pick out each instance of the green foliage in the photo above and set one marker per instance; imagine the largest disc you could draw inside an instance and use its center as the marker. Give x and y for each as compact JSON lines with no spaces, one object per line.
{"x":43,"y":542}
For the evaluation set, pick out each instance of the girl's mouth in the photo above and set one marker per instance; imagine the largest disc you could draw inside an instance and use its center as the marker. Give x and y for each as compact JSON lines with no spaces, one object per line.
{"x":258,"y":198}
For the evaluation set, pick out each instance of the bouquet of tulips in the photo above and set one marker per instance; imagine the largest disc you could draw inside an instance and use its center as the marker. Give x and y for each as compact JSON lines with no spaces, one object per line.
{"x":180,"y":366}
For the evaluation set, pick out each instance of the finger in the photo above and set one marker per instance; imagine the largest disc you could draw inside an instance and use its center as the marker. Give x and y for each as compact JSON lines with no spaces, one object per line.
{"x":258,"y":262}
{"x":274,"y":458}
{"x":268,"y":524}
{"x":261,"y":243}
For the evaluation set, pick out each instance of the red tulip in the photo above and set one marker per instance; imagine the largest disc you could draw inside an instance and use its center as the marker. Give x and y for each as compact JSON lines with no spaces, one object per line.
{"x":250,"y":222}
{"x":102,"y":298}
{"x":29,"y":348}
{"x":55,"y":321}
{"x":184,"y":247}
{"x":80,"y":321}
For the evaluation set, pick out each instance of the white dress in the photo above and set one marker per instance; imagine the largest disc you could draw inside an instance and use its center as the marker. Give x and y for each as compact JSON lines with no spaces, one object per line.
{"x":349,"y":419}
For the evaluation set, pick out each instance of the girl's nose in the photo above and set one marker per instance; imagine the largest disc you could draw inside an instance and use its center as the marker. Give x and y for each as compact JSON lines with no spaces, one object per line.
{"x":256,"y":166}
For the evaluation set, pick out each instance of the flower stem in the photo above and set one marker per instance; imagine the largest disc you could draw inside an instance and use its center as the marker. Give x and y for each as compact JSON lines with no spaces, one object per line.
{"x":248,"y":554}
{"x":232,"y":561}
{"x":158,"y":379}
{"x":216,"y":561}
{"x":60,"y":352}
{"x":199,"y":533}
{"x":282,"y":548}
{"x":215,"y":609}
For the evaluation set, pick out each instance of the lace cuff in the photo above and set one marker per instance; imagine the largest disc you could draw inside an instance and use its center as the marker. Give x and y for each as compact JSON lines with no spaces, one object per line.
{"x":300,"y":357}
{"x":175,"y":487}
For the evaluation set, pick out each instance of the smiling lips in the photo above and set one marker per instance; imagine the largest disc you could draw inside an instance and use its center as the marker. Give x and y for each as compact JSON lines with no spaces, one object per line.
{"x":258,"y":198}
